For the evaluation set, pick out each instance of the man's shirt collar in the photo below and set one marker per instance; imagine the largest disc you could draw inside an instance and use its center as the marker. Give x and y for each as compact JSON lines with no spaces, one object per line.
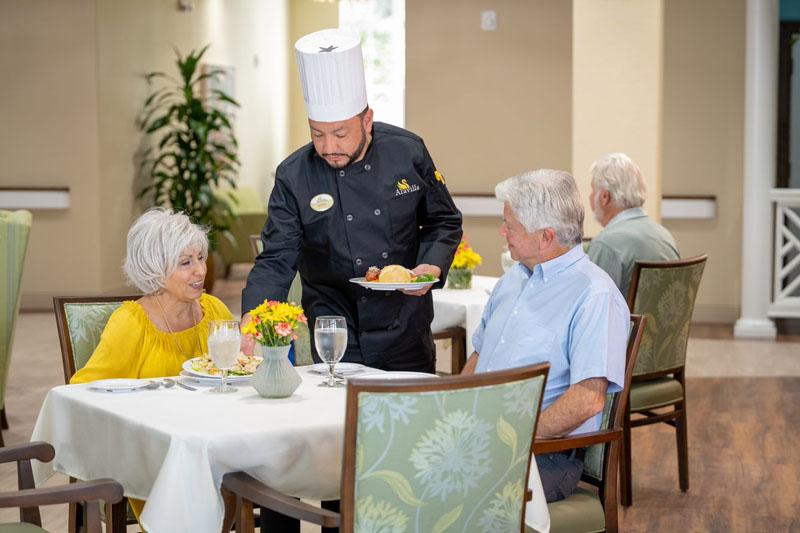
{"x":547,"y":270}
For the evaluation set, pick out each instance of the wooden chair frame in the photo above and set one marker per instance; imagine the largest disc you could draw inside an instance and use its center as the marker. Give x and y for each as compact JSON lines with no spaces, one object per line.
{"x":248,"y":490}
{"x":611,"y":437}
{"x":63,"y":330}
{"x":675,"y":418}
{"x":29,"y":498}
{"x":118,"y":515}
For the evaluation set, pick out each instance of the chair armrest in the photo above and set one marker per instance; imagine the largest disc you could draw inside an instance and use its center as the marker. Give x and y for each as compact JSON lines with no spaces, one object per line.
{"x":576,"y":441}
{"x":99,"y":489}
{"x":41,"y":451}
{"x":251,"y":489}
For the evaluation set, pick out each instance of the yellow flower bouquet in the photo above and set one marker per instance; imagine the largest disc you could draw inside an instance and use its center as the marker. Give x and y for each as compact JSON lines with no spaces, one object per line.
{"x":465,"y":259}
{"x":274,"y":323}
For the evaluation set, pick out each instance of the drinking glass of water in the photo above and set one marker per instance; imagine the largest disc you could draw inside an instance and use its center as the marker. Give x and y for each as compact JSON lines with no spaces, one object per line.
{"x":330,"y":338}
{"x":223,"y":347}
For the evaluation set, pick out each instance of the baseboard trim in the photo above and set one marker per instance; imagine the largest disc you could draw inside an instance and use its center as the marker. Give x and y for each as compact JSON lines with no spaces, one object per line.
{"x":716,"y":314}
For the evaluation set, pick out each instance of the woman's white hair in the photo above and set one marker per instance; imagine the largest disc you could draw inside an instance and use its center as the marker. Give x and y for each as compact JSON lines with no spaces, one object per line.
{"x":620,"y":176}
{"x":545,"y":199}
{"x":155,"y":243}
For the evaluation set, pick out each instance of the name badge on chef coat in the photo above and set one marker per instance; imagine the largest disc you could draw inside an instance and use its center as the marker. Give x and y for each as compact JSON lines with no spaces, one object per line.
{"x":322,"y":202}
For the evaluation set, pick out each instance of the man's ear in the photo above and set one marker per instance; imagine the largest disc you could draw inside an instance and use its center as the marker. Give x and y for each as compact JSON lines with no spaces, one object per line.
{"x":368,"y":120}
{"x":548,"y":238}
{"x":604,"y":198}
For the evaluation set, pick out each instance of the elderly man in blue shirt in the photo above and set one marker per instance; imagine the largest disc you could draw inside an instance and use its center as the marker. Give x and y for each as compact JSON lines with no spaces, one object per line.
{"x":554,"y":306}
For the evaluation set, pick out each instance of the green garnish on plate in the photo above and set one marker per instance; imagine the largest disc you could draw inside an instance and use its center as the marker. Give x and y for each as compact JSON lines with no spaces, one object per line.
{"x":424,"y":278}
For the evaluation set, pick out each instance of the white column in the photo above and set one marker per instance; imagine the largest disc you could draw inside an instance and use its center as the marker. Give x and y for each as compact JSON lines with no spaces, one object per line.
{"x":761,"y":91}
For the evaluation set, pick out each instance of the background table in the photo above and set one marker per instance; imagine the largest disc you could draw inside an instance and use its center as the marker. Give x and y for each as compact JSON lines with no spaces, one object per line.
{"x":172,"y":446}
{"x":462,"y":307}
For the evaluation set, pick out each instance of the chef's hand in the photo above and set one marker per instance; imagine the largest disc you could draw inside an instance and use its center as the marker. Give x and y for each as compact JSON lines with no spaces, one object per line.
{"x":248,"y":343}
{"x":418,"y":271}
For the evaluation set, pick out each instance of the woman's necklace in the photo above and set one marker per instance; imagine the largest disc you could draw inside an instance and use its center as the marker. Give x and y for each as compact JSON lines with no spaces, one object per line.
{"x":194,"y":324}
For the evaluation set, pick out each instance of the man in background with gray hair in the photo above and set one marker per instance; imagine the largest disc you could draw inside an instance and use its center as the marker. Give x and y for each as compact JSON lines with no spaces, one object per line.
{"x":554,"y":306}
{"x":629,"y":235}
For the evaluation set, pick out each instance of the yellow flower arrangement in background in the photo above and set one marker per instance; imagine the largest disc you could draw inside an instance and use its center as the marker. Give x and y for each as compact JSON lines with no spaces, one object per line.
{"x":274,"y":323}
{"x":466,"y":257}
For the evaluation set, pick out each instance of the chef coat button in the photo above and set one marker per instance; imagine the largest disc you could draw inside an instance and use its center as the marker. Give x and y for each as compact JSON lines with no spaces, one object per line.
{"x":363,"y":333}
{"x":377,"y":212}
{"x":341,"y":173}
{"x":367,"y":167}
{"x":363,"y":298}
{"x":358,"y":261}
{"x":349,"y":218}
{"x":384,"y":255}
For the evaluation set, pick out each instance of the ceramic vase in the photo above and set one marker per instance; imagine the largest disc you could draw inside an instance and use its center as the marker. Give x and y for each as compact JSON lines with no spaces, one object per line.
{"x":275,"y":377}
{"x":459,"y":278}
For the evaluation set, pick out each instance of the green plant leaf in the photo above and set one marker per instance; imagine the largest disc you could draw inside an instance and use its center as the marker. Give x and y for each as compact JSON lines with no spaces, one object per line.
{"x":447,"y":519}
{"x":508,"y":435}
{"x":399,"y":485}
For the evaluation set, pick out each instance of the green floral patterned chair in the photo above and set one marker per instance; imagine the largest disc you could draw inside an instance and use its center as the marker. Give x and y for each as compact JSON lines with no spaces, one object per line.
{"x":15,"y":227}
{"x":302,"y":346}
{"x":80,"y":321}
{"x":664,"y":292}
{"x":426,"y":455}
{"x":591,"y":511}
{"x":28,"y":498}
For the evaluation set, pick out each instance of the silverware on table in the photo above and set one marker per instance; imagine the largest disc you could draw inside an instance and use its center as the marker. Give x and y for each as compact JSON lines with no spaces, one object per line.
{"x":185,"y":386}
{"x":168,"y":382}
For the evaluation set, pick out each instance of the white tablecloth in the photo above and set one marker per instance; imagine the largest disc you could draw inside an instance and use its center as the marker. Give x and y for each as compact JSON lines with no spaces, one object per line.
{"x":172,"y":446}
{"x":462,"y":307}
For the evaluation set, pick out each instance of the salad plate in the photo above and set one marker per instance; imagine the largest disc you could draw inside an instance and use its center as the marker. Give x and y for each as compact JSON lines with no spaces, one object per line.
{"x":119,"y":385}
{"x":205,"y":379}
{"x":191,"y":367}
{"x":378,"y":286}
{"x":341,"y":369}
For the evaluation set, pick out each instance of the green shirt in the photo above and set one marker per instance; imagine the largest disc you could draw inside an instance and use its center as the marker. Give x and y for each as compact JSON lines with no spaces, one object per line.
{"x":629,"y":237}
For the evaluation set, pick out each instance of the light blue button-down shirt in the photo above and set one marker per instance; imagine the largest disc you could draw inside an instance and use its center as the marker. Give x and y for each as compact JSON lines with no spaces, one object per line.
{"x":567,"y":312}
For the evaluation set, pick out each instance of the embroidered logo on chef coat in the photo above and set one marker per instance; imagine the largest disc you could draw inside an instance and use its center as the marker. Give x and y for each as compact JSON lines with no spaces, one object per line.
{"x":321,"y":202}
{"x":404,"y":188}
{"x":439,"y":177}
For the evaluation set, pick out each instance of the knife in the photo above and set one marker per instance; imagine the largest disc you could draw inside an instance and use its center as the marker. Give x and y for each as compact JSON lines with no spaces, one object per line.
{"x":185,"y":386}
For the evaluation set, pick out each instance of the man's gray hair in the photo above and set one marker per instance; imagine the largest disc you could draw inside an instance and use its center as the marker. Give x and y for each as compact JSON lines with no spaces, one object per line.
{"x":620,"y":176}
{"x":545,"y":199}
{"x":155,"y":243}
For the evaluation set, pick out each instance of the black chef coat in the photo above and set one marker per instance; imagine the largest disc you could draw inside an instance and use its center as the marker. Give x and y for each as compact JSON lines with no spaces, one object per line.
{"x":392,"y":207}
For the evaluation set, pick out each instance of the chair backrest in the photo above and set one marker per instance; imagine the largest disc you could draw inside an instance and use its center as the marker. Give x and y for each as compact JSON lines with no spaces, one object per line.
{"x":598,"y":469}
{"x":439,"y":453}
{"x":80,"y":321}
{"x":242,"y":200}
{"x":302,"y":346}
{"x":664,"y":292}
{"x":15,"y":228}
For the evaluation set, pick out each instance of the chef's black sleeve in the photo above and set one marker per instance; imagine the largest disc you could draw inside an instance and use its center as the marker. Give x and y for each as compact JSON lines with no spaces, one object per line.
{"x":282,"y":236}
{"x":439,"y":219}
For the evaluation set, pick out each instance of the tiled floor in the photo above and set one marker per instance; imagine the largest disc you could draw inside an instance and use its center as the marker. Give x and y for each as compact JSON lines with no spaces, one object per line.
{"x":36,"y":367}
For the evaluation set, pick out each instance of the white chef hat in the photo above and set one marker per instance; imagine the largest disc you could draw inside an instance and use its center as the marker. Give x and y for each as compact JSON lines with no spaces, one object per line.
{"x":332,"y":75}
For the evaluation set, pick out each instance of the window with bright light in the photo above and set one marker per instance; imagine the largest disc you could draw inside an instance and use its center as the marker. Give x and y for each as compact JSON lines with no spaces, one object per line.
{"x":382,"y":27}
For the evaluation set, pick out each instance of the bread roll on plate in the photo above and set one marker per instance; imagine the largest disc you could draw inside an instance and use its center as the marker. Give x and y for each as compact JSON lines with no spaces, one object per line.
{"x":395,"y":274}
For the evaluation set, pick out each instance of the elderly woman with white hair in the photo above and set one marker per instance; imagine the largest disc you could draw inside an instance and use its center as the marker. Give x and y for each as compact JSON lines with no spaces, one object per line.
{"x":153,"y":336}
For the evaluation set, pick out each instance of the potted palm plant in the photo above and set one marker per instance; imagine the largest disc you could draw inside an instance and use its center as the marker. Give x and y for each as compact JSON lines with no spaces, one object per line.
{"x":193,"y":149}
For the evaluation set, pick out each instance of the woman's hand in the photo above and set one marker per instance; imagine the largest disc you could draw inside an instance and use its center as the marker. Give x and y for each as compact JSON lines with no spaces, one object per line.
{"x":248,"y":343}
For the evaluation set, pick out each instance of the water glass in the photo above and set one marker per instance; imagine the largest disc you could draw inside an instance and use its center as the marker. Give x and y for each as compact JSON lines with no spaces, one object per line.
{"x":330,"y":338}
{"x":223,"y":347}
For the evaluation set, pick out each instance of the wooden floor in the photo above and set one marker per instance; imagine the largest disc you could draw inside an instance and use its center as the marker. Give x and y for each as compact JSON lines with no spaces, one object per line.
{"x":744,"y":461}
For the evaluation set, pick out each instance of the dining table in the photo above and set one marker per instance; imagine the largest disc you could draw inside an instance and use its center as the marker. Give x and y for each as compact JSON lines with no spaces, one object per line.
{"x":462,"y":307}
{"x":171,"y":446}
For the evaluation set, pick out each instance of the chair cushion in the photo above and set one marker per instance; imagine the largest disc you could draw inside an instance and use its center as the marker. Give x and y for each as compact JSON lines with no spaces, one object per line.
{"x":582,"y":512}
{"x":655,"y":393}
{"x":21,"y":527}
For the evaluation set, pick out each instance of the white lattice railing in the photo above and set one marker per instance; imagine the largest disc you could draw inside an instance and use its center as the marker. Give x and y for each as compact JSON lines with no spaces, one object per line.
{"x":786,"y":257}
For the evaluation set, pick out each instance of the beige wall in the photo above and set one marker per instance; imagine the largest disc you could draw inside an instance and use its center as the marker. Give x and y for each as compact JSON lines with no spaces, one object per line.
{"x":49,"y":135}
{"x":489,"y":104}
{"x":703,"y":139}
{"x":81,"y":105}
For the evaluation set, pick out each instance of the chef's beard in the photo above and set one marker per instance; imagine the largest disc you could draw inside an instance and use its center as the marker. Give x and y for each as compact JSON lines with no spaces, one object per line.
{"x":350,"y":157}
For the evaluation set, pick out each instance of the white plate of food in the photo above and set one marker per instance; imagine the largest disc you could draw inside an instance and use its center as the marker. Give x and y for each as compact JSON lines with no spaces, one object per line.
{"x":195,"y":379}
{"x":395,"y":375}
{"x":119,"y":385}
{"x":392,"y":278}
{"x":204,"y":367}
{"x":341,"y":369}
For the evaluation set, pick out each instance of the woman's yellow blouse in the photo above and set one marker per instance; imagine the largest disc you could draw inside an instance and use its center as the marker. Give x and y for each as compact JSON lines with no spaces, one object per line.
{"x":132,"y":347}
